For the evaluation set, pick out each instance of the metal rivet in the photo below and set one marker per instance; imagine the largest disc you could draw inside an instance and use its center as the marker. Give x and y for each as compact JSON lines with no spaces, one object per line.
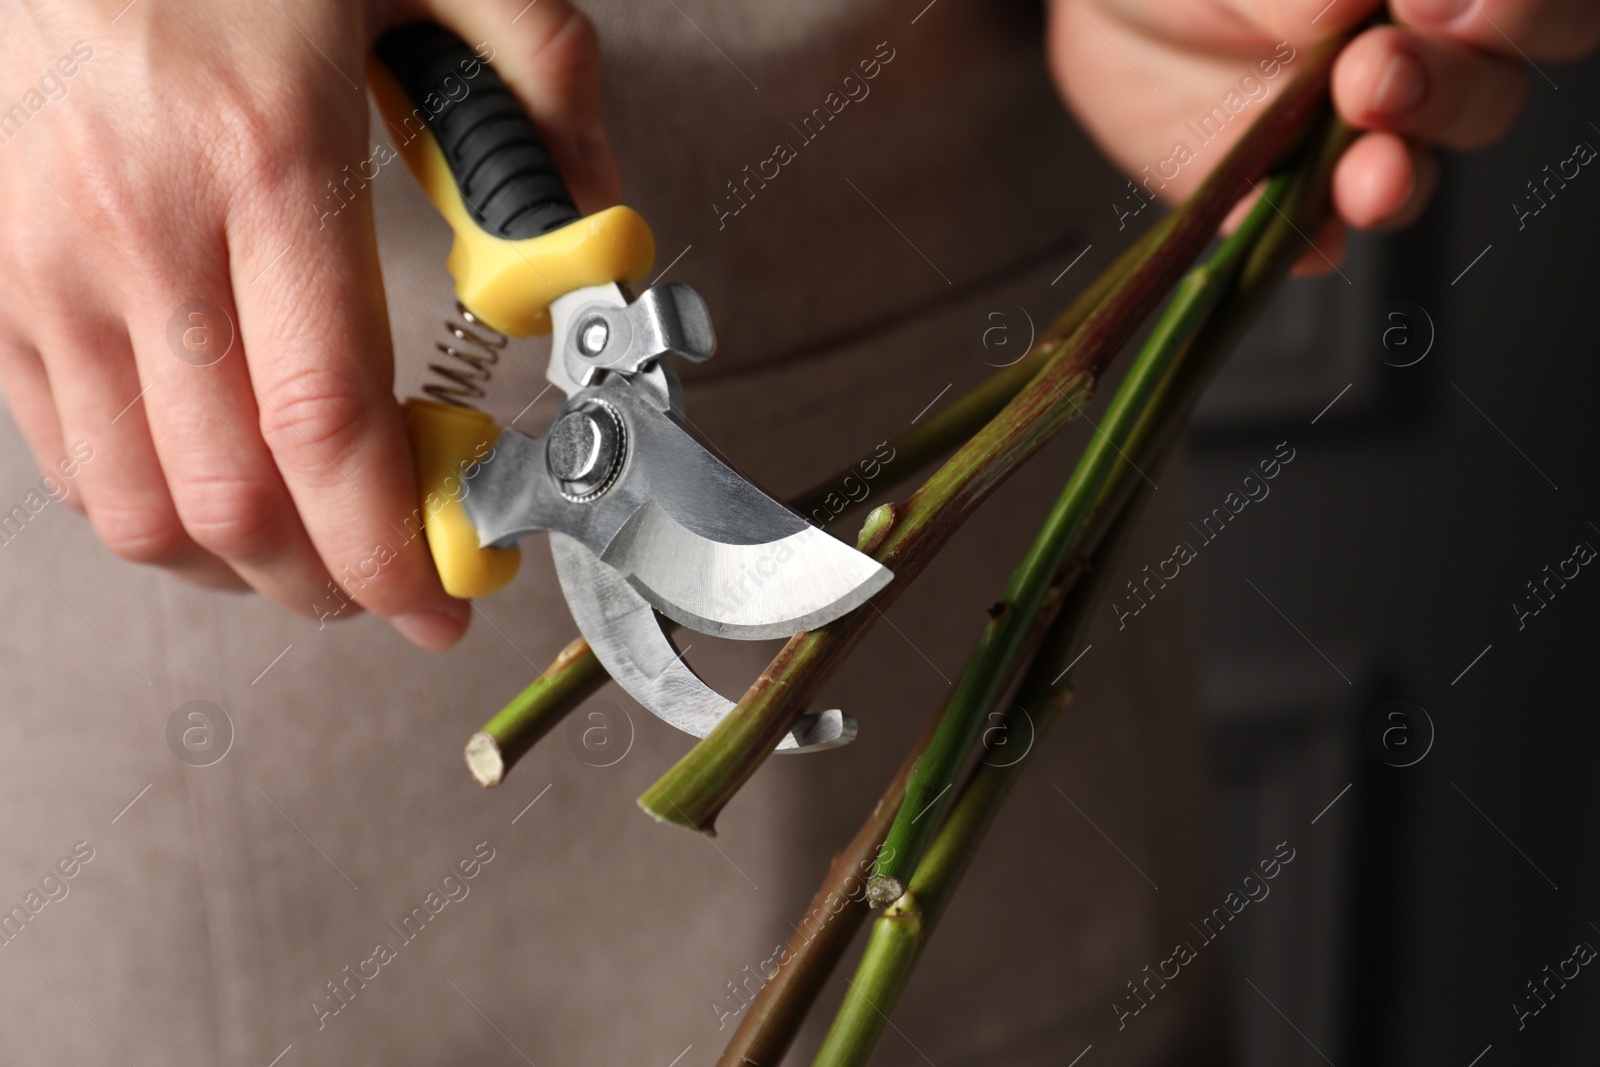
{"x":593,"y":337}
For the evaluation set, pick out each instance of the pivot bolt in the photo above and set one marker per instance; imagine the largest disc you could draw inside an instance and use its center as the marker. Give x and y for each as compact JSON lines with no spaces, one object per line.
{"x":585,"y":449}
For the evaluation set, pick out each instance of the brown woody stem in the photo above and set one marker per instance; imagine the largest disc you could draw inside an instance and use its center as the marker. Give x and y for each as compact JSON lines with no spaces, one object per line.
{"x":774,"y":1017}
{"x":694,"y":791}
{"x":900,"y":934}
{"x":576,"y":674}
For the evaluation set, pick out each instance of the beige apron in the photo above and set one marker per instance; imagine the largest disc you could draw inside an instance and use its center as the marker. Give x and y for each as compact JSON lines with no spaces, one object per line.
{"x":856,"y":280}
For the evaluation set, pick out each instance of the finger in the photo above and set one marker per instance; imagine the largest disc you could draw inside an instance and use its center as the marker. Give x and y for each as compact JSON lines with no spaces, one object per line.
{"x":100,"y":402}
{"x":549,"y":54}
{"x":316,"y":344}
{"x":1434,"y":90}
{"x":1307,"y":21}
{"x":1234,"y":25}
{"x":1523,"y":29}
{"x":1383,"y":182}
{"x":33,"y":407}
{"x":203,"y":422}
{"x":83,"y":346}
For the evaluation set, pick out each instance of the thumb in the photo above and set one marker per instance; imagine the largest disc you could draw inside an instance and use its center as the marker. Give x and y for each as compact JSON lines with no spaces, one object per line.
{"x":548,"y":52}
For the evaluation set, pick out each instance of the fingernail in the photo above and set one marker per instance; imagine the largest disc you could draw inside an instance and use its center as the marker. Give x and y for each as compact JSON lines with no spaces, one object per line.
{"x":1434,"y":10}
{"x":434,"y":630}
{"x":1402,"y":86}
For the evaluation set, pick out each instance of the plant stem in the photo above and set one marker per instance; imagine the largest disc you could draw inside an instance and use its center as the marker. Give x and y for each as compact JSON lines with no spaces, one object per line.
{"x":882,"y":975}
{"x":765,"y":1033}
{"x":953,"y":424}
{"x":1099,"y":476}
{"x":570,"y":680}
{"x":693,"y":792}
{"x":576,"y":674}
{"x":768,"y":1027}
{"x":900,"y":932}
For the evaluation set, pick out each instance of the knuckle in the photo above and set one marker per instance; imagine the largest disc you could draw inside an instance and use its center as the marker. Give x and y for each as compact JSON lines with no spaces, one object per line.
{"x":140,"y":535}
{"x":316,"y":414}
{"x":232,"y":517}
{"x":106,"y":188}
{"x":267,"y":143}
{"x":256,"y":134}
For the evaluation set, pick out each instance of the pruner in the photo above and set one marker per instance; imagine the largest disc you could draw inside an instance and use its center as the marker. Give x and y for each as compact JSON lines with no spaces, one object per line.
{"x":642,"y":518}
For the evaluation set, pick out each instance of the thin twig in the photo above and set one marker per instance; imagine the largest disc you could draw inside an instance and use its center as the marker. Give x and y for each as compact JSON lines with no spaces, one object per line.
{"x":570,"y":680}
{"x":779,"y":1009}
{"x":902,"y":931}
{"x":693,"y":792}
{"x":576,"y":674}
{"x":899,"y":934}
{"x":829,"y":925}
{"x":1098,"y":479}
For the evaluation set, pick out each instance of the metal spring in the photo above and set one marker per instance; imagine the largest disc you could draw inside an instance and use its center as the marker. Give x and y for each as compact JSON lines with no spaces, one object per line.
{"x":475,"y":349}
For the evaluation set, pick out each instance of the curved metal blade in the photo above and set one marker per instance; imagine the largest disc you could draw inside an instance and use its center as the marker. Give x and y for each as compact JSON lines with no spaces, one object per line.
{"x":627,"y":639}
{"x":748,"y":592}
{"x":696,"y":538}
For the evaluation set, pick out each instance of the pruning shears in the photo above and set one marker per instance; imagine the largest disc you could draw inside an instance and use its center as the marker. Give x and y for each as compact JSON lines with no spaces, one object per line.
{"x":642,"y":518}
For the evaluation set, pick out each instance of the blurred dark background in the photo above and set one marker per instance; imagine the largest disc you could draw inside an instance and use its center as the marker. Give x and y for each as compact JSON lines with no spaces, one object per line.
{"x":1431,"y":893}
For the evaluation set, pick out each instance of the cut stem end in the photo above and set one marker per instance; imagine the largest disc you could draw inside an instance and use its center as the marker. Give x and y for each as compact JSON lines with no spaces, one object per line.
{"x":485,"y":761}
{"x":883,"y":891}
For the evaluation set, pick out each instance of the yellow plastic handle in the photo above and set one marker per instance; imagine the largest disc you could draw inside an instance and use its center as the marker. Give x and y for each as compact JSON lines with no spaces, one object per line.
{"x":507,"y":284}
{"x":448,"y":443}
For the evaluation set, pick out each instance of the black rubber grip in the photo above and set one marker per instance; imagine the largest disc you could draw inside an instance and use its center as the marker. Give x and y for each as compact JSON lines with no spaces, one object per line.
{"x":506,"y":176}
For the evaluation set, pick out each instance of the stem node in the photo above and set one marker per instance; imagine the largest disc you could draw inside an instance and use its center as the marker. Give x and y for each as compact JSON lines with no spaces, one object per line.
{"x":879,"y":522}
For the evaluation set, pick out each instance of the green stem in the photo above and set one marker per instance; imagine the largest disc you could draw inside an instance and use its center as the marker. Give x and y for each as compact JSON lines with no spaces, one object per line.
{"x":693,"y":791}
{"x":772,"y":1020}
{"x":892,"y":948}
{"x":824,"y":933}
{"x":576,"y":674}
{"x":881,"y":977}
{"x":1101,"y":472}
{"x":570,"y":680}
{"x":781,"y":1006}
{"x":899,"y":934}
